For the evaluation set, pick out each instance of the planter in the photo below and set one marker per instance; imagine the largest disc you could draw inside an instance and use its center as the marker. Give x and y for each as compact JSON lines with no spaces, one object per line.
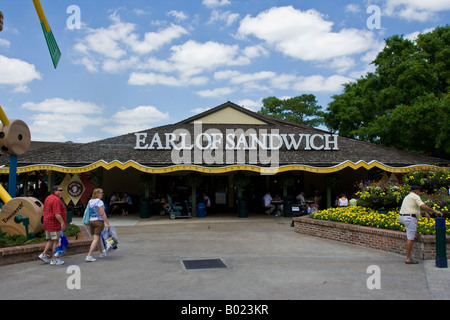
{"x":381,"y":239}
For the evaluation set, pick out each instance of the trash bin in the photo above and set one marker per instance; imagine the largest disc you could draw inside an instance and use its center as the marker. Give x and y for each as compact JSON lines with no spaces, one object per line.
{"x":287,"y":208}
{"x":201,"y":210}
{"x":242,"y":208}
{"x":144,"y":208}
{"x":69,"y":217}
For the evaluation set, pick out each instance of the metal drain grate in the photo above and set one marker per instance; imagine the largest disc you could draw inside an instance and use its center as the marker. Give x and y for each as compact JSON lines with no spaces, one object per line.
{"x":204,"y":264}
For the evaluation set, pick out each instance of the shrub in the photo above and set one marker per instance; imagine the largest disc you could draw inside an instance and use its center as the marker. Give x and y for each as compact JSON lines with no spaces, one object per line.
{"x":386,"y":195}
{"x":431,"y":180}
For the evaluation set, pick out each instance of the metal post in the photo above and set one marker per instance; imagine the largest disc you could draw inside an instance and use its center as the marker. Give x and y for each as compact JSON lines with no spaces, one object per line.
{"x":12,"y":184}
{"x":441,"y":243}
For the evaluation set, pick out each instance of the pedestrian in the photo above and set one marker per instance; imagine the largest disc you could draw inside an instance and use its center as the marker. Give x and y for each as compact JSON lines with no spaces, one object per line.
{"x":409,"y":215}
{"x":55,"y":221}
{"x":97,"y":222}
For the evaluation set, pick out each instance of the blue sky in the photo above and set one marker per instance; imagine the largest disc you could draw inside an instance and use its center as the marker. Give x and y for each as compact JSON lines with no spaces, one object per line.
{"x":133,"y":65}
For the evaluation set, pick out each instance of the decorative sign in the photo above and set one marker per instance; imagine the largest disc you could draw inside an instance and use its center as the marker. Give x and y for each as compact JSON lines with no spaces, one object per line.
{"x":73,"y":187}
{"x":236,"y":140}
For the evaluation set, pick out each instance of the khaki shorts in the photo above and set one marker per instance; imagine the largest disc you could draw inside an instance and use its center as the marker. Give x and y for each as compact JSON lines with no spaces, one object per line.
{"x":52,"y":235}
{"x":96,"y":226}
{"x":411,"y":226}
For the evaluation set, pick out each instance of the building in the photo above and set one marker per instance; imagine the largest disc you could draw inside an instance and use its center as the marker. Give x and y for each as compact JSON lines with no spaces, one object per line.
{"x":209,"y":153}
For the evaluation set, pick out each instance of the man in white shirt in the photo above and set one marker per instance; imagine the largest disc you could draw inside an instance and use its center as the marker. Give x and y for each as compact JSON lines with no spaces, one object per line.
{"x":409,"y":215}
{"x":269,"y":207}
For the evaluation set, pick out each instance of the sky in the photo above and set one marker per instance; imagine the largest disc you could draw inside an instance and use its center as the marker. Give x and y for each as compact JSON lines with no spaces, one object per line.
{"x":133,"y":65}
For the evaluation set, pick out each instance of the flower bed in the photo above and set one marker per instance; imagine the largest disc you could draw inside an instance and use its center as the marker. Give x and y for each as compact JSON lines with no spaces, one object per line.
{"x":369,"y":217}
{"x":376,"y":238}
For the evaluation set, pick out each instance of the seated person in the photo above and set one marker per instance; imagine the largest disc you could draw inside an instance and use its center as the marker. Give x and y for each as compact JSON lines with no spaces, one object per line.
{"x":343,"y":201}
{"x":112,"y":202}
{"x":268,"y":206}
{"x":126,"y":206}
{"x":301,"y":198}
{"x":279,"y":205}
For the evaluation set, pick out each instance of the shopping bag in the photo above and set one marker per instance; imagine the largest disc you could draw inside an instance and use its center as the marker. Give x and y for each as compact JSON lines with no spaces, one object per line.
{"x":62,"y":246}
{"x":109,"y":238}
{"x":86,"y":215}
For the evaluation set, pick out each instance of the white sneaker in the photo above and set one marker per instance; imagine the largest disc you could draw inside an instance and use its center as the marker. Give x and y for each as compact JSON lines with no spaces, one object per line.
{"x":102,"y":255}
{"x":56,"y":262}
{"x":90,"y":259}
{"x":44,"y":257}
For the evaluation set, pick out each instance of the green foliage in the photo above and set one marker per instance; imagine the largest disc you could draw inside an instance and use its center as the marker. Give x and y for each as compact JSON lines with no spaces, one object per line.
{"x":382,"y":195}
{"x":405,"y":103}
{"x":72,"y":230}
{"x":302,"y":109}
{"x":7,"y":240}
{"x":431,"y":181}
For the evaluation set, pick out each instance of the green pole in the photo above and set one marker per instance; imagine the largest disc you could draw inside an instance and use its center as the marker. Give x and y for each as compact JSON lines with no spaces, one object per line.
{"x":441,"y":243}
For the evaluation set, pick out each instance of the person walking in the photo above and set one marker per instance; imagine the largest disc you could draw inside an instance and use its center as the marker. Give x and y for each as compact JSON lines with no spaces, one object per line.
{"x":410,"y":212}
{"x":97,"y":222}
{"x":55,"y":221}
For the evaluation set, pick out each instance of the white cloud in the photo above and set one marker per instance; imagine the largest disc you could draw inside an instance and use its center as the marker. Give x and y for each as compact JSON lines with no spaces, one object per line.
{"x":141,"y":79}
{"x":228,"y":17}
{"x":178,"y":15}
{"x":194,"y":57}
{"x":319,"y":83}
{"x":216,"y":93}
{"x":56,"y":127}
{"x":353,"y":8}
{"x":342,"y":64}
{"x":139,"y":115}
{"x":17,"y":73}
{"x":154,"y":40}
{"x":240,"y":78}
{"x":59,"y":117}
{"x":304,"y":35}
{"x":137,"y":119}
{"x":199,"y":110}
{"x":255,"y":81}
{"x":120,"y":41}
{"x":5,"y":43}
{"x":216,"y":3}
{"x":418,"y":10}
{"x":61,"y":106}
{"x":250,"y":104}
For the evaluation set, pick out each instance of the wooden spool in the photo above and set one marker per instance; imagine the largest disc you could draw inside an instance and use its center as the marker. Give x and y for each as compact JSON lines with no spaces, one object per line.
{"x":15,"y":137}
{"x":28,"y":207}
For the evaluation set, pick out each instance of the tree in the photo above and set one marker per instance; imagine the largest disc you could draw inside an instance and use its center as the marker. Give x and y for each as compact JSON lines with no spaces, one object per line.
{"x":302,"y":109}
{"x":405,"y":103}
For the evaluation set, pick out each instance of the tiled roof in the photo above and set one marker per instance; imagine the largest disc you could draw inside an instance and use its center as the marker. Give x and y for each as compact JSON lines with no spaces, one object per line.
{"x":122,"y":148}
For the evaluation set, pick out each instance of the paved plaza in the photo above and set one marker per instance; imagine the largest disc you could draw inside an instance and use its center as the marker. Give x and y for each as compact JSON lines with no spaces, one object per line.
{"x":264,"y":260}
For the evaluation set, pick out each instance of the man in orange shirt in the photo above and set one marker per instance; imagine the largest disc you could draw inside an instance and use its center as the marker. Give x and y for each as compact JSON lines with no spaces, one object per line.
{"x":55,"y":220}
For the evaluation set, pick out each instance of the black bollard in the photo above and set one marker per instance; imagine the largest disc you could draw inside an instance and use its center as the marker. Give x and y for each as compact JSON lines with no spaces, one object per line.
{"x":441,"y":243}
